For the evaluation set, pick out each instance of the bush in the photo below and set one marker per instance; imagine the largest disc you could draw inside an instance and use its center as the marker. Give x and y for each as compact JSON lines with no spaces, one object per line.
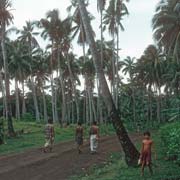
{"x":170,"y":135}
{"x":28,"y":117}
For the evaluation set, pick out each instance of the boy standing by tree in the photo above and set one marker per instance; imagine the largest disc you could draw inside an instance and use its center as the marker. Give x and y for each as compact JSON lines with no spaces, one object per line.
{"x":94,"y":137}
{"x":79,"y":137}
{"x":146,"y":150}
{"x":49,"y":135}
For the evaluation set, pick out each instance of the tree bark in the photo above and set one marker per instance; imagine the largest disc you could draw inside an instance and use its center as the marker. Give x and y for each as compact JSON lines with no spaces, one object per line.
{"x":35,"y":100}
{"x":44,"y":106}
{"x":131,"y":153}
{"x":62,"y":89}
{"x":23,"y":99}
{"x":18,"y":117}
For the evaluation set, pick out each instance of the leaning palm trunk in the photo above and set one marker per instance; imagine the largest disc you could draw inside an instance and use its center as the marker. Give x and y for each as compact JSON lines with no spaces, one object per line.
{"x":131,"y":153}
{"x":7,"y":87}
{"x":17,"y":100}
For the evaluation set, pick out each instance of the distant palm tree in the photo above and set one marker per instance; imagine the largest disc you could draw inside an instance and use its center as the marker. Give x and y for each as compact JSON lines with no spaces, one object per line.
{"x":5,"y":20}
{"x":112,"y":20}
{"x":19,"y":67}
{"x":129,"y":67}
{"x":27,"y":36}
{"x":57,"y":31}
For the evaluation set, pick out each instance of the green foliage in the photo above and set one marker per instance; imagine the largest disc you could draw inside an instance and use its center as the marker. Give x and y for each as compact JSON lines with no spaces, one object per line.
{"x":28,"y":117}
{"x":170,"y":135}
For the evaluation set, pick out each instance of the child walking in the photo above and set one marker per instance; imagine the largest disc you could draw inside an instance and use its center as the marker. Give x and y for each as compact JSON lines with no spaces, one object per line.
{"x":94,"y":137}
{"x":146,"y":151}
{"x":49,"y":136}
{"x":79,"y":137}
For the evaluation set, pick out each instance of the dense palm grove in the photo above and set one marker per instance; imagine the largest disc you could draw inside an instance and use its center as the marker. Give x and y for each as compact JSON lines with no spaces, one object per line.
{"x":54,"y":82}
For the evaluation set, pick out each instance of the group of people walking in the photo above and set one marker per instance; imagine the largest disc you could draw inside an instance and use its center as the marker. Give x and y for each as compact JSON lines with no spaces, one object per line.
{"x":94,"y":137}
{"x":145,"y":155}
{"x":79,"y":137}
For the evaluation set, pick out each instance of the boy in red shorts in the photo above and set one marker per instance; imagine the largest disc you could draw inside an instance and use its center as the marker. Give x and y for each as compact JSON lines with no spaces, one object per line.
{"x":146,"y":151}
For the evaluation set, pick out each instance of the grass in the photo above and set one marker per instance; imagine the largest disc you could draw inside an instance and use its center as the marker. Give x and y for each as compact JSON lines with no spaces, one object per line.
{"x":33,"y":136}
{"x":116,"y":168}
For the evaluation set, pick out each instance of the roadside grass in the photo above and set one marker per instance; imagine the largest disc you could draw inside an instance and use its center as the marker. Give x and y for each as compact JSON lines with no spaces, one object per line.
{"x":116,"y":169}
{"x":33,"y":136}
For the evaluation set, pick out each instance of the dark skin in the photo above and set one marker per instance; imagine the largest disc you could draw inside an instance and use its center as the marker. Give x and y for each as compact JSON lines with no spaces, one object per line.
{"x":147,"y":146}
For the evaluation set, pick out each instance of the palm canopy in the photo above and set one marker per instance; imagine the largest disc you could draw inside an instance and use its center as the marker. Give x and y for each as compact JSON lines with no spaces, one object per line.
{"x":28,"y":35}
{"x":5,"y":16}
{"x":114,"y":15}
{"x":128,"y":65}
{"x":55,"y":29}
{"x":150,"y":67}
{"x":167,"y":27}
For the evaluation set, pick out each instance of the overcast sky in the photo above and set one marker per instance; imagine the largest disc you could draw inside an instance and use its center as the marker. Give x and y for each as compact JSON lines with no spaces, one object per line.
{"x":138,"y":31}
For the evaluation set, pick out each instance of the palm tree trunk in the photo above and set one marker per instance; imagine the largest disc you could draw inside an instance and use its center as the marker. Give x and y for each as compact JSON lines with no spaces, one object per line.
{"x":131,"y":153}
{"x":7,"y":86}
{"x":73,"y":88}
{"x":3,"y":93}
{"x":134,"y":105}
{"x":90,"y":105}
{"x":55,"y":105}
{"x":117,"y":70}
{"x":35,"y":100}
{"x":23,"y":99}
{"x":99,"y":102}
{"x":44,"y":105}
{"x":113,"y":71}
{"x":62,"y":89}
{"x":17,"y":100}
{"x":52,"y":84}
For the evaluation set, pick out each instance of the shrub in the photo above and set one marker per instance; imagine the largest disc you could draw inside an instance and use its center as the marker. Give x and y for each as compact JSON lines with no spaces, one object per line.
{"x":28,"y":117}
{"x":170,"y":135}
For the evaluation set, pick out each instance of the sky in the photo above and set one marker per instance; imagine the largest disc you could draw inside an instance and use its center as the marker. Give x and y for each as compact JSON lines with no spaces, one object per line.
{"x":138,"y":31}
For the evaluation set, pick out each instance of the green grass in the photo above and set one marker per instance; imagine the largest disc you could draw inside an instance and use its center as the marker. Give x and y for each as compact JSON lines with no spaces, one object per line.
{"x":116,"y":168}
{"x":34,"y":136}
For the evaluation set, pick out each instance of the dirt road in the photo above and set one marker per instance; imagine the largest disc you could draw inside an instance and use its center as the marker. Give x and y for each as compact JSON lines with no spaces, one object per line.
{"x":63,"y":162}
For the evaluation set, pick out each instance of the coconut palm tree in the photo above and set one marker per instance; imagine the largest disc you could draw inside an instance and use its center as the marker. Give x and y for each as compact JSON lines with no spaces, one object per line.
{"x":165,"y":26}
{"x":41,"y":73}
{"x":129,"y":67}
{"x":113,"y":21}
{"x":18,"y":66}
{"x":27,"y":36}
{"x":131,"y":152}
{"x":5,"y":20}
{"x":57,"y":31}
